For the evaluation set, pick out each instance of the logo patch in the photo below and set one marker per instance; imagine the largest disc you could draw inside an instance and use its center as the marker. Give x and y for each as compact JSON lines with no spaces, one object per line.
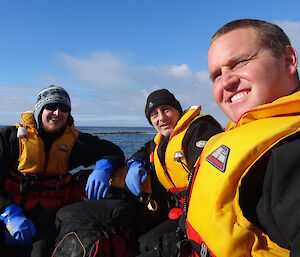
{"x":64,"y":148}
{"x":218,"y":158}
{"x":201,"y":143}
{"x":179,"y":156}
{"x":150,"y":105}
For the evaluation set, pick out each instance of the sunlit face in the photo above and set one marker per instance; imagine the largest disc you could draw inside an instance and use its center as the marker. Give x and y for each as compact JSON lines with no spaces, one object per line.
{"x":164,"y":119}
{"x":244,"y":74}
{"x":54,"y":118}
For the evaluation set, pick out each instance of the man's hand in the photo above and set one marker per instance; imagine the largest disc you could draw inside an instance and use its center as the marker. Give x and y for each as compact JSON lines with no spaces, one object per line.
{"x":136,"y":176}
{"x":20,"y":230}
{"x":98,"y":181}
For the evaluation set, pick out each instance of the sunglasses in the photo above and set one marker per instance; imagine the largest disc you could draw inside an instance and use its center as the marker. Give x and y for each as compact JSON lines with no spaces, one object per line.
{"x":54,"y":107}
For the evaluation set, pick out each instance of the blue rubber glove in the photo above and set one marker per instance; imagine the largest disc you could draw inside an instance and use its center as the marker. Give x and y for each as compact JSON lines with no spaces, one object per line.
{"x":20,"y":230}
{"x":136,"y":176}
{"x":97,"y":184}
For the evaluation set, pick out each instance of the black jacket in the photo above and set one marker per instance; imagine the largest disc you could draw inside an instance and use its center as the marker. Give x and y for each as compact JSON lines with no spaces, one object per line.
{"x":86,"y":151}
{"x":270,"y":194}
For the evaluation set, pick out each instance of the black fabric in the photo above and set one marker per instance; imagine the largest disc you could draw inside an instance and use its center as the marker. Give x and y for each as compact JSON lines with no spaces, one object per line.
{"x":199,"y":130}
{"x":278,"y":209}
{"x":49,"y":138}
{"x":9,"y":154}
{"x":144,"y":152}
{"x":107,"y":220}
{"x":161,"y":240}
{"x":160,"y":97}
{"x":106,"y":214}
{"x":43,"y":242}
{"x":270,"y":195}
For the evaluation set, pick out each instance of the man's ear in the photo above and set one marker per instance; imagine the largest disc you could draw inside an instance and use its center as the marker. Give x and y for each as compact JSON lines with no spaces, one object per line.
{"x":291,"y":59}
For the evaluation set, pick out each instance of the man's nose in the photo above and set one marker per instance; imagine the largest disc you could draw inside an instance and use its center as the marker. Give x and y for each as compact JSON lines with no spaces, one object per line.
{"x":229,"y":81}
{"x":57,"y":111}
{"x":161,"y":115}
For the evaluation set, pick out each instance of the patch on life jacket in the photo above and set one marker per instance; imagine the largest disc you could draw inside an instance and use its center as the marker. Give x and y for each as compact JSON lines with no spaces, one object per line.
{"x":218,"y":158}
{"x":64,"y":148}
{"x":204,"y":251}
{"x":179,"y":156}
{"x":22,"y":132}
{"x":201,"y":143}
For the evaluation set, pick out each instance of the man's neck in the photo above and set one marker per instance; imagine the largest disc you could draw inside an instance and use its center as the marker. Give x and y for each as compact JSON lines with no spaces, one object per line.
{"x":296,"y":89}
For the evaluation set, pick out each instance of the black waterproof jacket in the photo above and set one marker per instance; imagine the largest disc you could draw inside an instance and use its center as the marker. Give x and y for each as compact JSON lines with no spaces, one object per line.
{"x":270,"y":194}
{"x":87,"y":150}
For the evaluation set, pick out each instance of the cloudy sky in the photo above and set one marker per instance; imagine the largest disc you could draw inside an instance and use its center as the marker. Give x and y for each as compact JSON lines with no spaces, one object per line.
{"x":109,"y":55}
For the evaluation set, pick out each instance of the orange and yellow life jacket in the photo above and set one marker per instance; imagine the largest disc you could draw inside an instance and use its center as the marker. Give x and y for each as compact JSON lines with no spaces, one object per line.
{"x":174,"y":175}
{"x":46,"y":178}
{"x":215,"y":220}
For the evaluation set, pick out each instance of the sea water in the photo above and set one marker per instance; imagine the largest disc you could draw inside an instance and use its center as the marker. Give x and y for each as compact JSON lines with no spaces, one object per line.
{"x":129,"y":139}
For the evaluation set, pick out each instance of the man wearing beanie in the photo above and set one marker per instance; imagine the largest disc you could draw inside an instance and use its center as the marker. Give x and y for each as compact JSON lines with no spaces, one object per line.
{"x":36,"y":157}
{"x":167,"y":161}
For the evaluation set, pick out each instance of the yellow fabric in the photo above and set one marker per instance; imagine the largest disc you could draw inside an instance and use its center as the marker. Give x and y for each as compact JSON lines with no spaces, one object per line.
{"x":214,"y":211}
{"x":32,"y":157}
{"x":178,"y":175}
{"x":118,"y":180}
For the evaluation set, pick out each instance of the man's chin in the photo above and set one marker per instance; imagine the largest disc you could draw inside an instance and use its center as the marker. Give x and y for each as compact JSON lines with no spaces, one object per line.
{"x":166,"y":132}
{"x":53,"y":128}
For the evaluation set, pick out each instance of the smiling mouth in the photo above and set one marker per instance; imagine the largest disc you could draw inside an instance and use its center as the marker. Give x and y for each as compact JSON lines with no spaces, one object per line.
{"x":55,"y":120}
{"x":165,"y":125}
{"x":238,"y":96}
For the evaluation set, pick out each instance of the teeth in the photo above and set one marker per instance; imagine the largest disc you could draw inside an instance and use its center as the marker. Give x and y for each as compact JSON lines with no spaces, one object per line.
{"x":238,"y":96}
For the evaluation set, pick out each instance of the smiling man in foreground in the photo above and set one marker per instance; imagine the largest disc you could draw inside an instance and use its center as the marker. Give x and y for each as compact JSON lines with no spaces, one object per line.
{"x":244,"y":198}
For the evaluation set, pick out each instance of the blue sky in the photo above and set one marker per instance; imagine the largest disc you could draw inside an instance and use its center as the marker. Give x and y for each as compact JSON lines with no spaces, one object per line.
{"x":109,"y":55}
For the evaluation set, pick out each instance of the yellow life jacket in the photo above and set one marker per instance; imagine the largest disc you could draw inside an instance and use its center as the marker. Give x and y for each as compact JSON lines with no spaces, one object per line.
{"x":174,"y":176}
{"x":39,"y":181}
{"x":215,"y":220}
{"x":32,"y":158}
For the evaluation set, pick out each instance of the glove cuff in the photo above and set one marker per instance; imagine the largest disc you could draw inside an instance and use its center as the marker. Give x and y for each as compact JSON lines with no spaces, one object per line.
{"x":137,"y":160}
{"x":10,"y":210}
{"x":104,"y":164}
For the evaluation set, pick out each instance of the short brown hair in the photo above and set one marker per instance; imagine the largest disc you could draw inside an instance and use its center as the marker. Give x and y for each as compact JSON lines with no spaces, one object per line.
{"x":270,"y":35}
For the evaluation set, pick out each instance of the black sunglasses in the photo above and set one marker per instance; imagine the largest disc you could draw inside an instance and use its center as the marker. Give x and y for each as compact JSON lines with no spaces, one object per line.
{"x":54,"y":107}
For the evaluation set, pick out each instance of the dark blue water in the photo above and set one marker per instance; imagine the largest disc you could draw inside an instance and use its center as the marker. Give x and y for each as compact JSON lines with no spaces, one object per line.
{"x":129,"y":139}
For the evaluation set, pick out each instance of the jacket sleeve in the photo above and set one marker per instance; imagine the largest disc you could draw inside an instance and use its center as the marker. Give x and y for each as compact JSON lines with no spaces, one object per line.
{"x":198,"y":133}
{"x":278,"y":209}
{"x":144,"y":152}
{"x":88,"y":149}
{"x":9,"y":151}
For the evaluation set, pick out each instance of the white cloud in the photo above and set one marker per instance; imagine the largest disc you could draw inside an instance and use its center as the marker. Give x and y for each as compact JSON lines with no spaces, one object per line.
{"x":14,"y":101}
{"x":120,"y":89}
{"x":101,"y":68}
{"x":180,"y":71}
{"x":114,"y":91}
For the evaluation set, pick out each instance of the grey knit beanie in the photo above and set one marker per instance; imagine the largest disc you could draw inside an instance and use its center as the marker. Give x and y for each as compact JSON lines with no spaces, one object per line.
{"x":50,"y":95}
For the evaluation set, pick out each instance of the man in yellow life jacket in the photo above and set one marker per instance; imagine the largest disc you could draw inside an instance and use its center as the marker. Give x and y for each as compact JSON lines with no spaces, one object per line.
{"x":35,"y":158}
{"x":244,"y":196}
{"x":167,"y":161}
